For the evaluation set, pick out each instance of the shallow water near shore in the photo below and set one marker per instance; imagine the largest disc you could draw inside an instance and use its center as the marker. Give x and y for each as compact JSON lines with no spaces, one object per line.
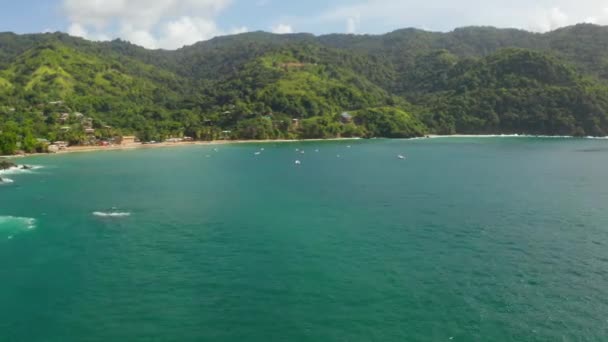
{"x":467,"y":239}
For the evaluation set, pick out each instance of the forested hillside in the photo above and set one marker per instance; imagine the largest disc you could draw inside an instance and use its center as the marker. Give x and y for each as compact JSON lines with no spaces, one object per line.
{"x":264,"y":86}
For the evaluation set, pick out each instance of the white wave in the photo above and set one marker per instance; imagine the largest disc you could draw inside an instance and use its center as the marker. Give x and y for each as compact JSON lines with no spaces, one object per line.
{"x":10,"y":170}
{"x":6,"y":181}
{"x":19,"y":169}
{"x":13,"y":225}
{"x":111,"y":214}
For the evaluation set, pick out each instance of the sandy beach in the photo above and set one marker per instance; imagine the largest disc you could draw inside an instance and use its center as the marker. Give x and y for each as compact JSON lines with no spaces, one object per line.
{"x":82,"y":149}
{"x":136,"y":146}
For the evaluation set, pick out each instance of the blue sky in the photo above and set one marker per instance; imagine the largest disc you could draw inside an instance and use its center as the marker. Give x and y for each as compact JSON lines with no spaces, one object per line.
{"x":171,"y":24}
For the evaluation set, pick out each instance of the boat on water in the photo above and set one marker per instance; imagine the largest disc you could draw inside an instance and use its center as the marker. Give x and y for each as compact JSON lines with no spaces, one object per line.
{"x":402,"y":157}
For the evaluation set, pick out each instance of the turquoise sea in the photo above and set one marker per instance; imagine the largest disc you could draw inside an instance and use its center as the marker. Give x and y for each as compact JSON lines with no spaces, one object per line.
{"x":467,"y":239}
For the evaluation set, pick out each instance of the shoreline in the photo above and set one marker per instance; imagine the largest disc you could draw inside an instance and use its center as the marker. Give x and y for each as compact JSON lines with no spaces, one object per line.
{"x":140,"y":146}
{"x":434,"y":136}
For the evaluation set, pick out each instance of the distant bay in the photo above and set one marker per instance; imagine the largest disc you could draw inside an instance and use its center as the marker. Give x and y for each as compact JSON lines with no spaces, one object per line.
{"x":464,"y":239}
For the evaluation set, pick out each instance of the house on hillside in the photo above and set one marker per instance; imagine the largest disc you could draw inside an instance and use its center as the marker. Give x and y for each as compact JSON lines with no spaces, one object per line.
{"x":87,"y":122}
{"x":126,"y":140}
{"x":61,"y":145}
{"x":52,"y":148}
{"x":346,"y":117}
{"x":226,"y":135}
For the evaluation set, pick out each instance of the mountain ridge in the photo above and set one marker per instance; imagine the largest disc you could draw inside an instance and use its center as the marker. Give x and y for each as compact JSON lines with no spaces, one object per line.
{"x":408,"y":82}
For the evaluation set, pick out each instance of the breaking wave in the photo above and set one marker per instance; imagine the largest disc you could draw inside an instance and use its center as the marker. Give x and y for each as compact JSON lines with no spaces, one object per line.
{"x":111,"y":214}
{"x":19,"y":169}
{"x":12,"y":225}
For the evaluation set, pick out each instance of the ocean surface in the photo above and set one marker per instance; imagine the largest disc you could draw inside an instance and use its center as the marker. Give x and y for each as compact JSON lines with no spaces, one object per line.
{"x":466,"y":239}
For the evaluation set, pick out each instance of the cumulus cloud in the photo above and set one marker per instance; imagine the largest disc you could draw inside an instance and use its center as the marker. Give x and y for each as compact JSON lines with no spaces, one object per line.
{"x":165,"y":24}
{"x":239,"y":30}
{"x":77,"y":30}
{"x":550,"y":20}
{"x":600,"y":17}
{"x":443,"y":15}
{"x":173,"y":23}
{"x":352,"y":24}
{"x":282,"y":29}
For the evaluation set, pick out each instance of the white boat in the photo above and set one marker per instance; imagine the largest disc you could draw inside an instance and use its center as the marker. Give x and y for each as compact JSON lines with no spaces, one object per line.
{"x":298,"y":162}
{"x":401,"y":156}
{"x":258,"y":153}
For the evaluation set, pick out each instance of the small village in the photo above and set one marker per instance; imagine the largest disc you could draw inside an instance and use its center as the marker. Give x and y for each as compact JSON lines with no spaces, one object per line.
{"x":74,"y":130}
{"x":77,"y":130}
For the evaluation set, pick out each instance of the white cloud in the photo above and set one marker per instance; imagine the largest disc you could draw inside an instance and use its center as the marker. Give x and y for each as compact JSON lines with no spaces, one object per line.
{"x":352,"y":24}
{"x":174,"y":23}
{"x":282,"y":29}
{"x":239,"y":30}
{"x":77,"y":30}
{"x":138,"y":36}
{"x":187,"y":31}
{"x":138,"y":13}
{"x":550,"y":20}
{"x":165,"y":24}
{"x":377,"y":16}
{"x":600,"y":18}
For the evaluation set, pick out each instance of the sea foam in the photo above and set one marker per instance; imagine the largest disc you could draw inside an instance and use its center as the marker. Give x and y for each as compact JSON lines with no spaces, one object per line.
{"x":111,"y":214}
{"x":19,"y":170}
{"x":12,"y":225}
{"x":6,"y":181}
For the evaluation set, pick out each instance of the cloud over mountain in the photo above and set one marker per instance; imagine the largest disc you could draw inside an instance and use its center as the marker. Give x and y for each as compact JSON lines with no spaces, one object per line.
{"x":166,"y":24}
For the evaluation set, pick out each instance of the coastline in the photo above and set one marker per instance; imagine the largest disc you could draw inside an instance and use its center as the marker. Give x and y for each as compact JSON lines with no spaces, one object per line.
{"x":434,"y":136}
{"x":139,"y":146}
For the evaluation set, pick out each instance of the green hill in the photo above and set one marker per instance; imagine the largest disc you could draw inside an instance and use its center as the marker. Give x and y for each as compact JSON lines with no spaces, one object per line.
{"x":512,"y":91}
{"x":406,"y":83}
